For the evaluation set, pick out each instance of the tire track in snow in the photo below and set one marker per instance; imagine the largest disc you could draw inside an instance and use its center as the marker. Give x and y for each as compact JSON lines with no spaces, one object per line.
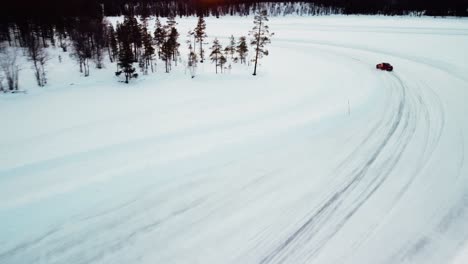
{"x":364,"y":180}
{"x":330,"y":207}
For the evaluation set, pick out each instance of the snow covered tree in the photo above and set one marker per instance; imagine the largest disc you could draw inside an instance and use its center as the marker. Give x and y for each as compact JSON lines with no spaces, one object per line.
{"x":200,"y":35}
{"x":231,"y":48}
{"x":216,"y":53}
{"x":9,"y":68}
{"x":192,"y":61}
{"x":242,"y":49}
{"x":226,"y":52}
{"x":260,"y":37}
{"x":190,"y":35}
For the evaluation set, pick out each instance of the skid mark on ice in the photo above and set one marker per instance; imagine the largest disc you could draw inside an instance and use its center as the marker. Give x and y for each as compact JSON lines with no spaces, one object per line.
{"x":18,"y":249}
{"x":461,"y":164}
{"x":330,"y":209}
{"x":333,"y":214}
{"x":125,"y":228}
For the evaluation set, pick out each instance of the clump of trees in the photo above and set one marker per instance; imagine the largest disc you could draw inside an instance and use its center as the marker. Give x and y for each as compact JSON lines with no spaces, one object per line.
{"x":95,"y":41}
{"x":9,"y":69}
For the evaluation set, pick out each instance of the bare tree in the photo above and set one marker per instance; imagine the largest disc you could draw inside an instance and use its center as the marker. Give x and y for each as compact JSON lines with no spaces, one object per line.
{"x":192,"y":61}
{"x":9,"y":68}
{"x":82,"y":51}
{"x":1,"y":83}
{"x":2,"y":77}
{"x":39,"y":57}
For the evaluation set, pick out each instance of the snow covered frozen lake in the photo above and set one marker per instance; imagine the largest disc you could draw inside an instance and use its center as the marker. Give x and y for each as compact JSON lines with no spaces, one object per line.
{"x":318,"y":159}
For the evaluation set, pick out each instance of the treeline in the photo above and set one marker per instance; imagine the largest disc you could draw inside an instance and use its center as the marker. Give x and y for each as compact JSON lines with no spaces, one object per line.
{"x":52,"y":9}
{"x":130,"y":44}
{"x":48,"y":14}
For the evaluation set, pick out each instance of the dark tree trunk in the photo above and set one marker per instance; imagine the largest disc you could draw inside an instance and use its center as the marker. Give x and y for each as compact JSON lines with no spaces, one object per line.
{"x":201,"y":51}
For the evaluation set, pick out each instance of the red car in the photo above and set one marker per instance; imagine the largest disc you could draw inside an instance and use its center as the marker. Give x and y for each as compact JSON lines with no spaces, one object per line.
{"x":384,"y":66}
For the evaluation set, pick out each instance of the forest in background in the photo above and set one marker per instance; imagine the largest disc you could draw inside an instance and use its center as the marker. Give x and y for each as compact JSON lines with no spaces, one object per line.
{"x":60,"y":15}
{"x":81,"y":26}
{"x":135,"y":46}
{"x":52,"y":9}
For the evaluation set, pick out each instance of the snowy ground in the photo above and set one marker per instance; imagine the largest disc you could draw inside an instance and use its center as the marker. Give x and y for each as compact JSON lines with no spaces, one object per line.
{"x":236,"y":169}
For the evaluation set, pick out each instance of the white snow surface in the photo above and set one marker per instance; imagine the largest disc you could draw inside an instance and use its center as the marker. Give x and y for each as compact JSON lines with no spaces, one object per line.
{"x":232,"y":168}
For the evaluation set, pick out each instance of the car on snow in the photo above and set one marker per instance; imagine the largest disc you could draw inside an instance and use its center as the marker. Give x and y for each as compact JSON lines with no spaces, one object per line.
{"x":384,"y":66}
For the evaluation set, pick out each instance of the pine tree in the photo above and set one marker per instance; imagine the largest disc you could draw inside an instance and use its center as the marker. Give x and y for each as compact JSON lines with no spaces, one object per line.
{"x":112,"y":44}
{"x":242,"y":49}
{"x":200,"y":35}
{"x":216,"y":53}
{"x":99,"y":42}
{"x":260,"y":37}
{"x":222,"y":60}
{"x":166,"y":55}
{"x":231,"y":48}
{"x":126,"y":56}
{"x":148,"y":51}
{"x":170,"y":47}
{"x":135,"y":37}
{"x":174,"y":44}
{"x":159,"y":36}
{"x":145,"y":13}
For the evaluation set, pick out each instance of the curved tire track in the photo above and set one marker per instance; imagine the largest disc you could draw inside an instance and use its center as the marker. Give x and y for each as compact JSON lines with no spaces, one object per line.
{"x":364,"y":180}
